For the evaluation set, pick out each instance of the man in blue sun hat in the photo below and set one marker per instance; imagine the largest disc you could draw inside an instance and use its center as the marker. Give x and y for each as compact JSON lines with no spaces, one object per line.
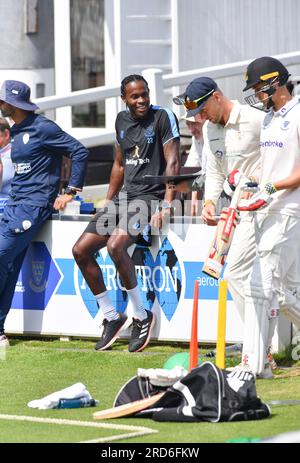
{"x":38,"y":146}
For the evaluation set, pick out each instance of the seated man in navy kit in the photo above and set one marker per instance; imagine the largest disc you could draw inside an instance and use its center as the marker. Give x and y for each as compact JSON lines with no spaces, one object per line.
{"x":38,"y":145}
{"x":147,"y":143}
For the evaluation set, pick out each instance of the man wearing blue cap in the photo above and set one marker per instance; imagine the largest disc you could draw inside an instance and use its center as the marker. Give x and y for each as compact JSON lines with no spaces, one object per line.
{"x":38,"y":145}
{"x":232,"y":143}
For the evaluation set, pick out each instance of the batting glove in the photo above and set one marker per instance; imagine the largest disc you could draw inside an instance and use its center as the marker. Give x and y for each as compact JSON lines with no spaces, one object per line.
{"x":231,"y":182}
{"x":259,"y":200}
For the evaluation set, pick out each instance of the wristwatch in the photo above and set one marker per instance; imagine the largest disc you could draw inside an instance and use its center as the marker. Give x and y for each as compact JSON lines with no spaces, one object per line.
{"x":165,"y":205}
{"x":70,"y":191}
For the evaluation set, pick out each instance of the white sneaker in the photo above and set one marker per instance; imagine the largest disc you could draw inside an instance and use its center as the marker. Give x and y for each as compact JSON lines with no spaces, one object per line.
{"x":271,"y":361}
{"x":3,"y":341}
{"x":266,"y":373}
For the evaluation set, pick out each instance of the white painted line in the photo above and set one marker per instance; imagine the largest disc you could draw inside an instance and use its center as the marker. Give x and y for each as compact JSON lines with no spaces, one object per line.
{"x":134,"y":430}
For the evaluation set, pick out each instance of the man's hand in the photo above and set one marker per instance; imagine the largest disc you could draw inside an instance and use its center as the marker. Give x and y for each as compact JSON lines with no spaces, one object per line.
{"x":160,"y":218}
{"x":209,"y":213}
{"x":259,"y":200}
{"x":61,"y":202}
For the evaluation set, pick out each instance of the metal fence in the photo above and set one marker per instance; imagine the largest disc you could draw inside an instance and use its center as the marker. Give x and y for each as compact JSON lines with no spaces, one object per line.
{"x":159,"y":84}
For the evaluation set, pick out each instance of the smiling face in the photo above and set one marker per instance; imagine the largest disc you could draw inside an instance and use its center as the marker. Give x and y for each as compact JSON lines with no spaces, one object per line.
{"x":137,"y":98}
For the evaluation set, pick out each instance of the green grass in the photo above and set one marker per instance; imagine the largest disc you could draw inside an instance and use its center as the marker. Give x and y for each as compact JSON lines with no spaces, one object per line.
{"x":32,"y":369}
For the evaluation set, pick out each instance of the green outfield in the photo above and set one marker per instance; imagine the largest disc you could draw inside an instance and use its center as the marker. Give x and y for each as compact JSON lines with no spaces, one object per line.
{"x":31,"y":369}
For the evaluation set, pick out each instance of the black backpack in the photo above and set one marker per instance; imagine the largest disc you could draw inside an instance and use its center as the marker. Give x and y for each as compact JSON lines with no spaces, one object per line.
{"x":208,"y":393}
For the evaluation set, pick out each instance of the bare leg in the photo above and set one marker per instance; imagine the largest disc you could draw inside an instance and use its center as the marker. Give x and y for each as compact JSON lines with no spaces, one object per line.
{"x":117,"y":246}
{"x":84,"y":251}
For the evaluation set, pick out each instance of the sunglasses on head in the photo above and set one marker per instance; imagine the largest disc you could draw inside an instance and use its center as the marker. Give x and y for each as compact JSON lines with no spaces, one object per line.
{"x":192,"y":104}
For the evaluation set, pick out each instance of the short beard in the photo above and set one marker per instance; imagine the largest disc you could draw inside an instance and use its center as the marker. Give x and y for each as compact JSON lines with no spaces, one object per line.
{"x":4,"y":113}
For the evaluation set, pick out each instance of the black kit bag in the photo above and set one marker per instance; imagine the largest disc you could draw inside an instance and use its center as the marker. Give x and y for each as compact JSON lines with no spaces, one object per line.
{"x":137,"y":388}
{"x":209,"y":393}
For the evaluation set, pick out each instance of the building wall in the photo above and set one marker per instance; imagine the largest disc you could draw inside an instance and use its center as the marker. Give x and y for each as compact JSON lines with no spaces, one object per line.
{"x":20,"y":50}
{"x":222,"y":31}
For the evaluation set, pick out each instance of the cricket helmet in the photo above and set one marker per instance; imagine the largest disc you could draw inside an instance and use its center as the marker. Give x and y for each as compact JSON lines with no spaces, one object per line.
{"x":269,"y":71}
{"x":265,"y":69}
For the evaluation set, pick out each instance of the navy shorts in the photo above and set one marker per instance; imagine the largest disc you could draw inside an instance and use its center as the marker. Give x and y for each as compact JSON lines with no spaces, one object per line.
{"x":132,"y":216}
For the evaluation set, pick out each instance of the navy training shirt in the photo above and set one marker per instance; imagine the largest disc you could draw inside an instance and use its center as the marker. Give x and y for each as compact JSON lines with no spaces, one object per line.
{"x":37,"y":148}
{"x":142,"y":145}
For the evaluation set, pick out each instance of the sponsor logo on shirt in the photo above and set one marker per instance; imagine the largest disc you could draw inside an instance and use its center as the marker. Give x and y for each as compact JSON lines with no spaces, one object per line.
{"x":22,"y":167}
{"x":136,"y":162}
{"x":271,"y":144}
{"x":134,"y":158}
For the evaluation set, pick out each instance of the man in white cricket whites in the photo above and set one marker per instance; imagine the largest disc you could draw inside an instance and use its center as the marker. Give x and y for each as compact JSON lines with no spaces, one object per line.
{"x":277,"y":211}
{"x":231,"y":141}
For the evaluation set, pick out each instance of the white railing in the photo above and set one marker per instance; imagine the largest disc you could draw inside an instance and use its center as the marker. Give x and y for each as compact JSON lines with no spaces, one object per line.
{"x":79,"y":97}
{"x":158,"y":82}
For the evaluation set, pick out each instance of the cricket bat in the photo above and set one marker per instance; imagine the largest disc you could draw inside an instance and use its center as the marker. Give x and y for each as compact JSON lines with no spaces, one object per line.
{"x":172,"y":179}
{"x":127,"y":409}
{"x":219,"y":249}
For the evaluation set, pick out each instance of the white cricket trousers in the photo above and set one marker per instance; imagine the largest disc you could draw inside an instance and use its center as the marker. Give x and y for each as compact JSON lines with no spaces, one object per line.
{"x":278,"y":247}
{"x":240,"y":260}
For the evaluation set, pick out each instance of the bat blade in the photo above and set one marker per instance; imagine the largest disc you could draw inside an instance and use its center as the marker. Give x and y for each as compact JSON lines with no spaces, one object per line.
{"x":230,"y":224}
{"x":127,"y":409}
{"x":218,"y":251}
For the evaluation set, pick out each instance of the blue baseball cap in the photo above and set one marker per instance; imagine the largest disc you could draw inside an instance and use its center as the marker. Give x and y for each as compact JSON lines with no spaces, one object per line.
{"x":196,"y":94}
{"x":17,"y":94}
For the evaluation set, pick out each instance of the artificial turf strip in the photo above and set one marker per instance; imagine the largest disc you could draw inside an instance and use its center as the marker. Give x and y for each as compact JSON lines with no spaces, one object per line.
{"x":33,"y":369}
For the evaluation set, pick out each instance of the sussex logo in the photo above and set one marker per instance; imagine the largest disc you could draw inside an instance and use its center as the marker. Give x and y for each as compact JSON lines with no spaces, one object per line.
{"x":285,"y":125}
{"x":149,"y":134}
{"x":158,"y":278}
{"x":38,"y":282}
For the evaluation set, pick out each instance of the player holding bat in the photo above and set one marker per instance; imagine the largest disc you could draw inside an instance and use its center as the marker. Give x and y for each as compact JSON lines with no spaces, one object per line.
{"x":274,"y":277}
{"x":231,"y":141}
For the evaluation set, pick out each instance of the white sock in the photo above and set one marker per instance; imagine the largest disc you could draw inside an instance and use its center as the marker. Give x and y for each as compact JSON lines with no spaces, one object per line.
{"x":106,"y":306}
{"x":137,"y":304}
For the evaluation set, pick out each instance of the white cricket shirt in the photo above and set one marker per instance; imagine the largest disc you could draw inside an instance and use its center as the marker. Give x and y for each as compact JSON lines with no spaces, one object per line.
{"x":233,"y":146}
{"x":280,"y":149}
